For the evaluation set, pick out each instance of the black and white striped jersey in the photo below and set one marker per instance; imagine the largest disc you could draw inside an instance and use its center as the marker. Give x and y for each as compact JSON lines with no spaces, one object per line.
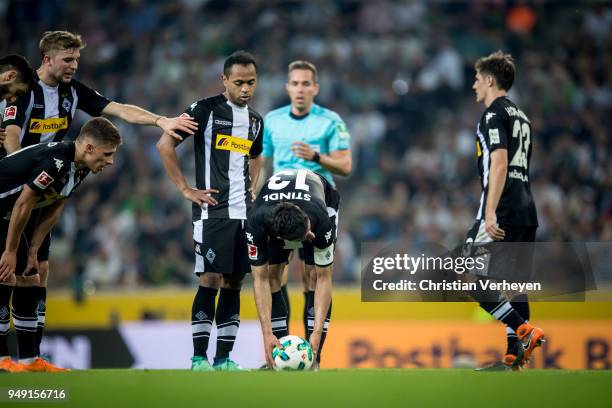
{"x":227,"y":136}
{"x":47,"y":168}
{"x":44,"y":115}
{"x":504,"y":126}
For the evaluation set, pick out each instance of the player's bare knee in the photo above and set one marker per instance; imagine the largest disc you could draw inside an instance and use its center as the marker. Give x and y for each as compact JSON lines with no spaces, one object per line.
{"x":321,"y":273}
{"x":284,"y":275}
{"x":233,"y":282}
{"x":210,"y":280}
{"x":43,"y":272}
{"x":28,"y":281}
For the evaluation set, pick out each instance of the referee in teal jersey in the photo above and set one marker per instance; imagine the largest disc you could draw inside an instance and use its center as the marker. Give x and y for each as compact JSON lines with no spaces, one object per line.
{"x":304,"y":135}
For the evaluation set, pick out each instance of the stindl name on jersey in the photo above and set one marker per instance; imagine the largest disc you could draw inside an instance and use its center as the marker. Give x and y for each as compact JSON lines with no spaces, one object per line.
{"x":291,"y":195}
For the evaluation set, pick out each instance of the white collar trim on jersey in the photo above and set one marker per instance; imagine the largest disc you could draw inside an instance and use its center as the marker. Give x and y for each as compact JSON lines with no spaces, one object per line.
{"x":234,"y":106}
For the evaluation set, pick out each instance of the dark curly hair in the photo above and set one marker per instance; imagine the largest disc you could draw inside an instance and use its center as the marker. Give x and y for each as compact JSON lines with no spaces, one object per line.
{"x":289,"y":222}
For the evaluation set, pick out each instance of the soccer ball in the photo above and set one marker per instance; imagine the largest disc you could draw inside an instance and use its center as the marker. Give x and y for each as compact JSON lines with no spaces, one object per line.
{"x":296,"y":354}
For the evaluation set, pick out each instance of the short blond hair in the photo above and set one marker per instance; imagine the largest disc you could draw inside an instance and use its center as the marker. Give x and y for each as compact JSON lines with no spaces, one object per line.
{"x":59,"y":41}
{"x":301,"y":64}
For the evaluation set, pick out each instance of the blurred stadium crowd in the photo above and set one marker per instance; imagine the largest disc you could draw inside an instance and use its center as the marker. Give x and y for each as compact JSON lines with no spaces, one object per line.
{"x":399,"y":73}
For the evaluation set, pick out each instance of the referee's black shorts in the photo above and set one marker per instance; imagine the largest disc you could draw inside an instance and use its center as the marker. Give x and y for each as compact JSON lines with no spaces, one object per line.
{"x":221,"y":247}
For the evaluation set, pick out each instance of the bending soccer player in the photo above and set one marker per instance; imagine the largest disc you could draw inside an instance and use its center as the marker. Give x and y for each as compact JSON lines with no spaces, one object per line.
{"x":41,"y":176}
{"x":507,"y":211}
{"x":295,"y":209}
{"x":228,"y":147}
{"x":305,"y":135}
{"x":16,"y":78}
{"x":46,"y":113}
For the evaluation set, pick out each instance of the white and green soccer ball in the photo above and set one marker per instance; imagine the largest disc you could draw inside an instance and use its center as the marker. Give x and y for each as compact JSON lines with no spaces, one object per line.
{"x":296,"y":354}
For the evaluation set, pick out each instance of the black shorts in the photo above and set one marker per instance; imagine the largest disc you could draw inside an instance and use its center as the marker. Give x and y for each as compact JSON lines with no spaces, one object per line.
{"x":220,"y":247}
{"x":478,"y":234}
{"x":24,"y":243}
{"x":509,"y":259}
{"x":280,"y":255}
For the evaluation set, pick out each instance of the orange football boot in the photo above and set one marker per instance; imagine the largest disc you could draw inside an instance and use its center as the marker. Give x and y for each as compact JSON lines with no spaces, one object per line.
{"x":7,"y":364}
{"x":40,"y":365}
{"x":531,"y":337}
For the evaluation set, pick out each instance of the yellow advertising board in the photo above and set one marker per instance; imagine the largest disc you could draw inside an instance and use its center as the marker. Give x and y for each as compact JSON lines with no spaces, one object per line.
{"x":443,"y":344}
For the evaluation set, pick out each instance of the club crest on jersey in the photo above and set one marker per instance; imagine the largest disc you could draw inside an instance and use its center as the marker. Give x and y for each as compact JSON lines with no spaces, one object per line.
{"x":255,"y":127}
{"x":234,"y":144}
{"x":10,"y":113}
{"x":43,"y":180}
{"x":252,"y":251}
{"x":66,"y":104}
{"x":489,"y":116}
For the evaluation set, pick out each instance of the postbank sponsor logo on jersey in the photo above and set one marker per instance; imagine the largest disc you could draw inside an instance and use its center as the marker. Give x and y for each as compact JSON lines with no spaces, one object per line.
{"x":43,"y":180}
{"x":234,"y":144}
{"x":48,"y":125}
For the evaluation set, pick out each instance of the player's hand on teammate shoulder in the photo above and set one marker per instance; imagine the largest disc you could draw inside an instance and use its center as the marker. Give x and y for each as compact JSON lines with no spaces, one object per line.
{"x":493,"y":229}
{"x":2,"y":136}
{"x":183,"y":123}
{"x":200,"y":197}
{"x":8,"y":263}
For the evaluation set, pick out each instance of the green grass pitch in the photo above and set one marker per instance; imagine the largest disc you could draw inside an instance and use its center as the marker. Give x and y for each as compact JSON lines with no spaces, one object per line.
{"x":375,"y":388}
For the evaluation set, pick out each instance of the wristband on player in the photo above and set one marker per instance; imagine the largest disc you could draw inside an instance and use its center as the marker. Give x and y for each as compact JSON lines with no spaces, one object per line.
{"x":316,"y":158}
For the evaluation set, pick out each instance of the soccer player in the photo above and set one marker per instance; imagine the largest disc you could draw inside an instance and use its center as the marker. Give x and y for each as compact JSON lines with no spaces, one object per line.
{"x":40,"y":176}
{"x":294,"y":209}
{"x":304,"y":135}
{"x":507,"y":211}
{"x":16,"y":78}
{"x":228,"y":146}
{"x":45,"y":113}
